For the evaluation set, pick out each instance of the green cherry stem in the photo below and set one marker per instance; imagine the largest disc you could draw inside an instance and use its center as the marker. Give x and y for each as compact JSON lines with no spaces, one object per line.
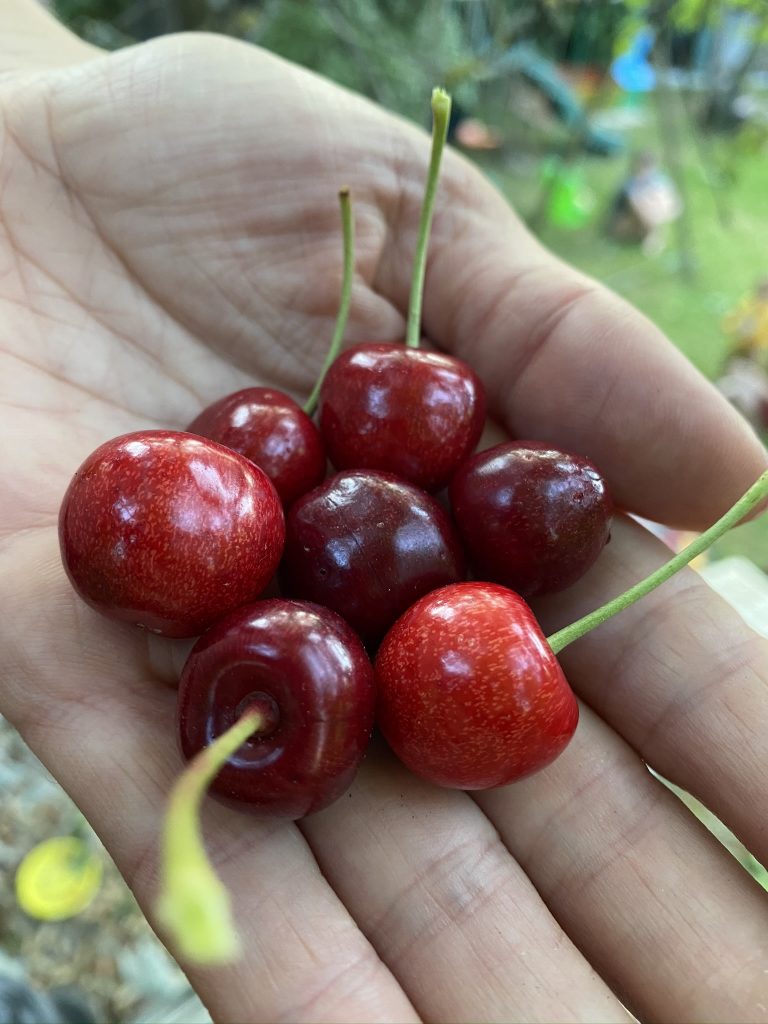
{"x":756,"y":493}
{"x":348,"y":232}
{"x":194,"y":907}
{"x":441,"y":112}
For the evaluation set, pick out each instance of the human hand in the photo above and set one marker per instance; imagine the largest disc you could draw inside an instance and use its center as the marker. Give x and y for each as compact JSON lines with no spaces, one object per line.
{"x":168,"y":233}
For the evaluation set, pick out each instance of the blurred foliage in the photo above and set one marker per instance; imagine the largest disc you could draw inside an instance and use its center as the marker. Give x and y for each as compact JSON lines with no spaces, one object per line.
{"x":693,"y":14}
{"x":689,"y":15}
{"x":394,"y":50}
{"x":391,"y":50}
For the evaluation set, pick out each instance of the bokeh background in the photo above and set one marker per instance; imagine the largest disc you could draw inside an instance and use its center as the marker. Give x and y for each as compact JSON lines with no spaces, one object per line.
{"x":632,"y":137}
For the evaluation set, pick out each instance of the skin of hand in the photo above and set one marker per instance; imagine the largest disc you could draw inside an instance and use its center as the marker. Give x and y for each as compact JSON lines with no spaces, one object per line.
{"x":169,"y":233}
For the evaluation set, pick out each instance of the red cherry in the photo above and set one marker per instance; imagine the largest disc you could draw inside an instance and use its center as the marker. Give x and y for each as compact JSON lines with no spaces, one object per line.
{"x":169,"y":531}
{"x":412,"y":413}
{"x":368,"y":545}
{"x":271,"y":430}
{"x":395,"y":408}
{"x":304,"y":669}
{"x":470,"y":694}
{"x":530,"y":516}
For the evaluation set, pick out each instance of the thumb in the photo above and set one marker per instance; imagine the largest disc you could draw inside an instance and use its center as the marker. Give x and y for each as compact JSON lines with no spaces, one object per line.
{"x":32,"y":40}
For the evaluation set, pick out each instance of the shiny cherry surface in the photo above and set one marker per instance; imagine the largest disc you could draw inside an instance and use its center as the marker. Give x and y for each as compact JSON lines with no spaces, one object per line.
{"x":169,"y":531}
{"x":530,"y":516}
{"x":307,"y":672}
{"x":470,"y":694}
{"x":271,"y":430}
{"x":367,"y":545}
{"x":412,"y":413}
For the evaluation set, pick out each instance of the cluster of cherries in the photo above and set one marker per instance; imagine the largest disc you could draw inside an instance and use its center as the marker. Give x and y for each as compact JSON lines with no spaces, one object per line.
{"x":181,"y":532}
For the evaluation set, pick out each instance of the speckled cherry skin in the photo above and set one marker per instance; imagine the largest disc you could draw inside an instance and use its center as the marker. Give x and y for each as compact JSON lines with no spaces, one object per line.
{"x":169,"y":531}
{"x":401,"y":410}
{"x":367,"y":545}
{"x":304,"y":667}
{"x":271,"y":430}
{"x":470,"y":695}
{"x":530,"y":516}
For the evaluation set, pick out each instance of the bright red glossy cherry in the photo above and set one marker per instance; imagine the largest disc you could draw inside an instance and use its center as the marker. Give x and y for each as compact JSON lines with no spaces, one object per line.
{"x":271,"y":430}
{"x":470,"y":694}
{"x":368,"y":545}
{"x":530,"y":516}
{"x":306,"y":672}
{"x":402,"y":410}
{"x":169,"y":531}
{"x":396,"y":408}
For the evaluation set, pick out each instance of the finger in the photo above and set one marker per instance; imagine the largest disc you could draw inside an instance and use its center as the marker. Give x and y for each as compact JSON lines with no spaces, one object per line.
{"x":566,"y":361}
{"x":665,"y":914}
{"x":682,"y":677}
{"x":32,"y":40}
{"x":451,"y":913}
{"x":80,"y":692}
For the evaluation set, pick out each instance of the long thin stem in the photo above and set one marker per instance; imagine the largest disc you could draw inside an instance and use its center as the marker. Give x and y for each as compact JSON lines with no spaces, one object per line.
{"x":756,"y":493}
{"x":441,"y":113}
{"x":348,"y":231}
{"x":194,"y":907}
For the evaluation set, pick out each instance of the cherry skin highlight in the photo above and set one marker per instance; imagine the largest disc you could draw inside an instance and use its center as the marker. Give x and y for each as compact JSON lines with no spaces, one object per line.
{"x":305,"y":671}
{"x":271,"y":430}
{"x":470,"y":695}
{"x":367,"y":545}
{"x":169,"y":531}
{"x":401,"y":410}
{"x":530,"y":516}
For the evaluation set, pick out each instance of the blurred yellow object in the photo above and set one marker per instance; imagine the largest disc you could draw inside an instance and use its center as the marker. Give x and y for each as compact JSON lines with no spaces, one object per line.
{"x":681,"y":539}
{"x":677,"y":541}
{"x":57,"y":879}
{"x":748,"y":323}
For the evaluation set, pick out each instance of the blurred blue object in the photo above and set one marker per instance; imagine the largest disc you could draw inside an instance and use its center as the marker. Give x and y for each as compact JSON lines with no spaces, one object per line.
{"x":631,"y":70}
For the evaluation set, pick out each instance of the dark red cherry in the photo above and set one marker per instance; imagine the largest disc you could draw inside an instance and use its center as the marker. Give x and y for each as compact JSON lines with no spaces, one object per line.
{"x":368,"y":545}
{"x":307,"y":673}
{"x":271,"y":430}
{"x":530,"y":516}
{"x":469,"y":692}
{"x":169,"y":531}
{"x":402,"y":410}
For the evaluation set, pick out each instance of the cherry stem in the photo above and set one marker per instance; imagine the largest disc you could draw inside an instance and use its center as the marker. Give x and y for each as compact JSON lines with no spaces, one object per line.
{"x":194,"y":907}
{"x":756,"y":493}
{"x":348,"y":232}
{"x":441,"y":112}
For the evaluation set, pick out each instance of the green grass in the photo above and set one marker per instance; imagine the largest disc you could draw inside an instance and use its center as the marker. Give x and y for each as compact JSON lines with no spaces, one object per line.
{"x":728,"y":257}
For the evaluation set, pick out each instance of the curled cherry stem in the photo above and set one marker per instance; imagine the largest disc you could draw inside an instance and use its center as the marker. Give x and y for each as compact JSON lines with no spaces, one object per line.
{"x":194,"y":907}
{"x":756,"y":493}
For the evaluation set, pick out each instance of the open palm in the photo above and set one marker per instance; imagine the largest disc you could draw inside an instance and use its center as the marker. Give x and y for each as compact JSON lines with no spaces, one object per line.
{"x":169,"y":233}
